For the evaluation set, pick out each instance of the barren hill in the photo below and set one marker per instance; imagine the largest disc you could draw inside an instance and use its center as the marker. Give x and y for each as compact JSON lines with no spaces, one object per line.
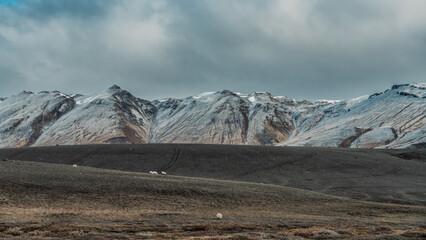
{"x":397,"y":176}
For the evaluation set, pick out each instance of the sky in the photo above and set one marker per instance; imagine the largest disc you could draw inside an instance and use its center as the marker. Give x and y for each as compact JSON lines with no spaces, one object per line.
{"x":311,"y":49}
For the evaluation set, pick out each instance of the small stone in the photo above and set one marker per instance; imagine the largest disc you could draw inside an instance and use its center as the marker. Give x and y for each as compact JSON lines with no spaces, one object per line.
{"x":144,"y":234}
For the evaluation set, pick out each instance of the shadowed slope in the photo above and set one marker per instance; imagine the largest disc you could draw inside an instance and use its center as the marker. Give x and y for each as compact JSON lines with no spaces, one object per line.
{"x":377,"y":175}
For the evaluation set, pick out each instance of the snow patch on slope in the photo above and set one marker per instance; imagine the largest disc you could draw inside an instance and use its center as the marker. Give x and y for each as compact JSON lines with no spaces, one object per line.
{"x":203,"y":95}
{"x":375,"y":138}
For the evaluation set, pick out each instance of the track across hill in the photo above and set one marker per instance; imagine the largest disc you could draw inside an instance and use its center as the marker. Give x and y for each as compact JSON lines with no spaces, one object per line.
{"x":395,"y":176}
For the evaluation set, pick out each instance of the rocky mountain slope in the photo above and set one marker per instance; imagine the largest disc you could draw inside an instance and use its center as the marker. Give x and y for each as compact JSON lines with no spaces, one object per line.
{"x":395,"y":118}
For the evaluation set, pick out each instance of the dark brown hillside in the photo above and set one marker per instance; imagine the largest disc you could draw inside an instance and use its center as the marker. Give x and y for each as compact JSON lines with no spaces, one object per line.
{"x":397,"y":176}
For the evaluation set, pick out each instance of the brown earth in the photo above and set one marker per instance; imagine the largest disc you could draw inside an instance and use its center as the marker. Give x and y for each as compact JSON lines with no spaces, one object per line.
{"x":43,"y":196}
{"x":42,"y":200}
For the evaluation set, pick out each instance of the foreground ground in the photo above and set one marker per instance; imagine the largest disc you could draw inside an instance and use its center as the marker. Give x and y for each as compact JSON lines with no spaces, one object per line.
{"x":44,"y":200}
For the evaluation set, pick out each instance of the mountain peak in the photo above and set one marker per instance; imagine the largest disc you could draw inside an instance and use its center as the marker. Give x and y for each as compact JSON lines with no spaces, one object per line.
{"x":227,"y":93}
{"x":26,"y":92}
{"x":114,"y":87}
{"x":421,"y":86}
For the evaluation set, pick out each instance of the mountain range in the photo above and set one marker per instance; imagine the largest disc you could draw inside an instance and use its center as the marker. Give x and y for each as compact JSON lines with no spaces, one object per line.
{"x":395,"y":118}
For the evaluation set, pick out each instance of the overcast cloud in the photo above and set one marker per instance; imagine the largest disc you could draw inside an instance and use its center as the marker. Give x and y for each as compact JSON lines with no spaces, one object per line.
{"x":312,"y":49}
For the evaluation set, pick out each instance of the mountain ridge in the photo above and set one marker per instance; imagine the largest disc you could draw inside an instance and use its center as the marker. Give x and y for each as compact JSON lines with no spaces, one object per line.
{"x":394,"y":118}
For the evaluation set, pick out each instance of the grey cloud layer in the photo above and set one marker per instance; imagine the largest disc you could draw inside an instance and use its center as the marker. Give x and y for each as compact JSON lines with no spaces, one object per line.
{"x":304,"y":49}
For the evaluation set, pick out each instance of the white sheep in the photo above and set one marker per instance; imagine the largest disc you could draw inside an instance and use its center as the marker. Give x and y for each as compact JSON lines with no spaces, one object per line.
{"x":74,"y":165}
{"x":153,"y":172}
{"x":163,"y":173}
{"x":219,"y":216}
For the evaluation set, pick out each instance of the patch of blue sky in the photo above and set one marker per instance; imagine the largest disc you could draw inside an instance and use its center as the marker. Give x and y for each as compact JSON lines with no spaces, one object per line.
{"x":9,"y":2}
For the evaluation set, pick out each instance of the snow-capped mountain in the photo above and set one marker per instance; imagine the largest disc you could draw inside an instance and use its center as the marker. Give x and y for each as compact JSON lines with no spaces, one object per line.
{"x":24,"y":117}
{"x":395,"y":118}
{"x":113,"y":116}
